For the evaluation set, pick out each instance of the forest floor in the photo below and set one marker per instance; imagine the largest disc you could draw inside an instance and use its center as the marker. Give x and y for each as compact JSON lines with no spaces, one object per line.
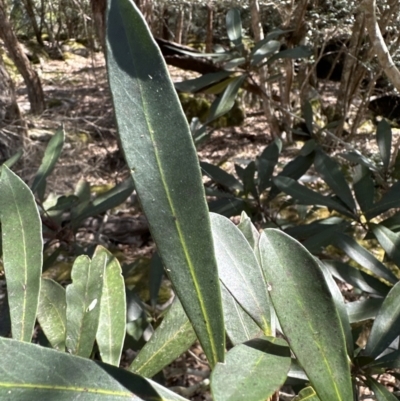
{"x":78,"y":98}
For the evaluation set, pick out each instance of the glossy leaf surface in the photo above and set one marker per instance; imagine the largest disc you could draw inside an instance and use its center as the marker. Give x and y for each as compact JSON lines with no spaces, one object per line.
{"x":252,"y":371}
{"x":384,"y":139}
{"x":389,"y":241}
{"x":303,"y":303}
{"x":388,"y":201}
{"x":22,"y":245}
{"x":112,"y":320}
{"x":52,"y":313}
{"x":380,"y":391}
{"x":234,"y":26}
{"x":266,"y":164}
{"x":162,"y":158}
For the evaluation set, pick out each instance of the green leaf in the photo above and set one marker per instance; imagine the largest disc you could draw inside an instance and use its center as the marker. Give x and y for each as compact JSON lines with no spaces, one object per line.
{"x":106,"y":201}
{"x":363,"y":257}
{"x":22,"y":244}
{"x":322,"y":238}
{"x":380,"y":391}
{"x":239,"y":326}
{"x":231,"y":65}
{"x":83,"y":303}
{"x":308,"y":394}
{"x":221,"y":177}
{"x":172,"y":338}
{"x":356,"y":278}
{"x":52,"y":313}
{"x":162,"y":158}
{"x":330,"y":172}
{"x":259,"y":53}
{"x":13,"y":159}
{"x":249,"y":185}
{"x":386,"y":326}
{"x":266,"y":164}
{"x":389,"y":241}
{"x":302,"y":303}
{"x":309,"y":117}
{"x":360,"y":311}
{"x":388,"y":361}
{"x":240,"y":271}
{"x":389,"y":200}
{"x":112,"y":321}
{"x":156,"y":277}
{"x":54,"y":375}
{"x":252,"y":371}
{"x":234,"y":26}
{"x":357,"y":157}
{"x":384,"y":139}
{"x":364,"y":188}
{"x":307,"y":196}
{"x":225,"y":102}
{"x":248,"y":230}
{"x":197,"y":84}
{"x":227,"y":207}
{"x":296,"y":52}
{"x":51,"y":155}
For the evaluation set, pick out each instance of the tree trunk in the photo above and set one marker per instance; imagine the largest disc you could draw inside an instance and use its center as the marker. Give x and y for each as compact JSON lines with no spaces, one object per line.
{"x":99,"y":16}
{"x":29,"y":7}
{"x":31,"y":78}
{"x":179,"y":25}
{"x":210,"y":23}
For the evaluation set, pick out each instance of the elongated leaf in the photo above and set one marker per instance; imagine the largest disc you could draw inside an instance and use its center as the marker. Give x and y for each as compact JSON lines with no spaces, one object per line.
{"x":63,"y":377}
{"x":112,"y":321}
{"x":172,"y":338}
{"x":239,"y":326}
{"x":234,"y":63}
{"x":83,"y":303}
{"x":364,"y":188}
{"x":392,"y":223}
{"x":308,"y":117}
{"x":357,"y":278}
{"x":389,"y":241}
{"x":380,"y":391}
{"x":357,"y":157}
{"x":296,"y":52}
{"x":249,"y":185}
{"x":156,"y":277}
{"x":255,"y":369}
{"x":248,"y":230}
{"x":52,"y":313}
{"x":240,"y":271}
{"x":22,"y":245}
{"x":360,"y":311}
{"x":302,"y":302}
{"x":51,"y":155}
{"x":384,"y":139}
{"x":221,"y":177}
{"x":259,"y":53}
{"x":225,"y":102}
{"x":106,"y":201}
{"x":234,"y":26}
{"x":197,"y":84}
{"x":330,"y":172}
{"x":388,"y":361}
{"x":266,"y":164}
{"x":386,"y":326}
{"x":388,"y":201}
{"x":308,"y":394}
{"x":302,"y":232}
{"x":13,"y":159}
{"x":160,"y":153}
{"x":227,"y":207}
{"x":366,"y":259}
{"x":323,"y":238}
{"x":307,"y":196}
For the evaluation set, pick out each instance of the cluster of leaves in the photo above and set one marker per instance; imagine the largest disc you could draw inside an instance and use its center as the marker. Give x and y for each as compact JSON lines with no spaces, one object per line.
{"x":278,"y":304}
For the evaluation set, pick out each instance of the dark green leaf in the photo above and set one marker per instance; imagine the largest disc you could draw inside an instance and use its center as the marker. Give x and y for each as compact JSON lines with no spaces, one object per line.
{"x":360,"y":311}
{"x":296,"y":52}
{"x":307,"y":196}
{"x":221,"y":177}
{"x":309,"y":117}
{"x":384,"y":139}
{"x":302,"y":302}
{"x":323,"y":238}
{"x":239,"y":326}
{"x":234,"y":26}
{"x":234,"y":63}
{"x":254,"y":371}
{"x":363,"y":257}
{"x":386,"y":326}
{"x":173,"y":337}
{"x":330,"y":172}
{"x":388,"y":201}
{"x":240,"y":271}
{"x":54,"y":375}
{"x":259,"y":53}
{"x":388,"y":361}
{"x":227,"y":207}
{"x":389,"y":241}
{"x":266,"y":164}
{"x":112,"y":320}
{"x":249,"y":185}
{"x":51,"y":155}
{"x":13,"y":159}
{"x":308,"y":394}
{"x":363,"y":186}
{"x":83,"y":303}
{"x":380,"y":391}
{"x":302,"y":232}
{"x":197,"y":84}
{"x":162,"y":158}
{"x":52,"y":313}
{"x":22,"y":244}
{"x":156,"y":277}
{"x":357,"y":157}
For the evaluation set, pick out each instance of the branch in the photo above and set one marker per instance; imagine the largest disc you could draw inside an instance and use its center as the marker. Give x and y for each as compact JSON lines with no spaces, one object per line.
{"x":378,"y":43}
